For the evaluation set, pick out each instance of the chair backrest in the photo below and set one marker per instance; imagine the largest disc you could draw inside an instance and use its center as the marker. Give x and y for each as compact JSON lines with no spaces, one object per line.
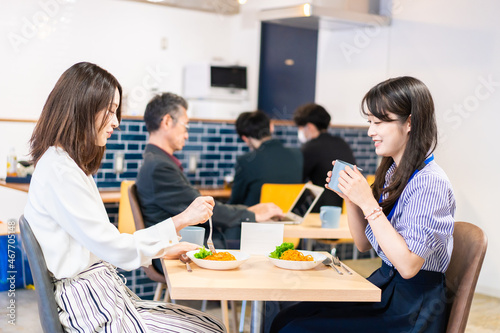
{"x":283,"y":195}
{"x":44,"y":288}
{"x":135,"y":207}
{"x":125,"y":218}
{"x":469,"y":248}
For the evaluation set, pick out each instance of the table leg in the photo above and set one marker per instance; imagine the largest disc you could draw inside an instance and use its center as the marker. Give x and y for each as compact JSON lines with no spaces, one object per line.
{"x":258,"y":315}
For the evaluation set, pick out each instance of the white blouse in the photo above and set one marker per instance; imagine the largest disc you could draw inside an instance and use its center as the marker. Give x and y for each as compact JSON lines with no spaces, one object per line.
{"x":69,"y":220}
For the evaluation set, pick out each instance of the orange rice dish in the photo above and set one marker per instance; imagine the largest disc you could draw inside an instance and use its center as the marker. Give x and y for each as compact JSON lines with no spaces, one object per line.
{"x":295,"y":256}
{"x":221,"y":256}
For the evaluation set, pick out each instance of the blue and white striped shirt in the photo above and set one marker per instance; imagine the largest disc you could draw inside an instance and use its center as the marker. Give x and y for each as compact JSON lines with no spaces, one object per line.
{"x":424,"y":216}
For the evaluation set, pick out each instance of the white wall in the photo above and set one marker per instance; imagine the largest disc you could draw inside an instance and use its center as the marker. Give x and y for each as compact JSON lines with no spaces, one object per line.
{"x":42,"y":38}
{"x":454,"y":47}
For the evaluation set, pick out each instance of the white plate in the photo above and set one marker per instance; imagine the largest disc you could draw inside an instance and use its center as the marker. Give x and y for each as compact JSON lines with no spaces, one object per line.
{"x":299,"y":265}
{"x":241,"y":257}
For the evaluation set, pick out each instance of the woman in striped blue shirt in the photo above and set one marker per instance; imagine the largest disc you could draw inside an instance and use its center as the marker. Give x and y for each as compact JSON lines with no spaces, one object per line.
{"x":407,"y":217}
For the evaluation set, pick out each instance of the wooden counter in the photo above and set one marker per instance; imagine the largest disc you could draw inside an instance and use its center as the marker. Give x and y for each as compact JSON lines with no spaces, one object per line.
{"x":113,"y":196}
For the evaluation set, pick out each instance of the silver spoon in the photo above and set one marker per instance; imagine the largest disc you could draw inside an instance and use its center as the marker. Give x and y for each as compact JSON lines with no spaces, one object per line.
{"x":328,"y":262}
{"x":185,"y":259}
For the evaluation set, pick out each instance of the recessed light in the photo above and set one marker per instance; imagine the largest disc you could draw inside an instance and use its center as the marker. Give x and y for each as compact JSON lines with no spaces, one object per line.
{"x":307,"y":9}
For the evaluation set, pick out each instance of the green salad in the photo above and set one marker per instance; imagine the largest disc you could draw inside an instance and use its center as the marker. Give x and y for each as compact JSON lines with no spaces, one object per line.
{"x":276,"y":254}
{"x":202,"y":254}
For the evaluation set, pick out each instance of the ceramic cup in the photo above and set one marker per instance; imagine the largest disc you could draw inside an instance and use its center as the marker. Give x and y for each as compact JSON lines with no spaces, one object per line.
{"x":192,"y":234}
{"x":334,"y":182}
{"x":330,"y":216}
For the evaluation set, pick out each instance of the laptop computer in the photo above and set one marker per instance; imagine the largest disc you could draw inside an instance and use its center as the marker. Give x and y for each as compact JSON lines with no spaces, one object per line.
{"x":302,"y":205}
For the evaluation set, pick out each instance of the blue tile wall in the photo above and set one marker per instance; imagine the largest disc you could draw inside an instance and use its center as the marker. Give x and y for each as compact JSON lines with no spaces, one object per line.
{"x":216,"y":146}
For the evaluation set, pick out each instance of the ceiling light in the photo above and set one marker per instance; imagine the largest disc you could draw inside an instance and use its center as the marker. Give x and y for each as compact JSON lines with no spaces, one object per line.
{"x":307,"y":9}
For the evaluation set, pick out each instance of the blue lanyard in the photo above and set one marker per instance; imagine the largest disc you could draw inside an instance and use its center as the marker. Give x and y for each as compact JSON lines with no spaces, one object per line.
{"x":427,"y":160}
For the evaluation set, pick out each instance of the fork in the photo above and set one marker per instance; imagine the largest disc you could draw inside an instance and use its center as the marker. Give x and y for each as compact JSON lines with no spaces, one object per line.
{"x":337,"y":262}
{"x":210,"y":243}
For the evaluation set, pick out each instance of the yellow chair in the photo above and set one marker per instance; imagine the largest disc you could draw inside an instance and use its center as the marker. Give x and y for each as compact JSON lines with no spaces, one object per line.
{"x":283,"y":195}
{"x":127,"y":224}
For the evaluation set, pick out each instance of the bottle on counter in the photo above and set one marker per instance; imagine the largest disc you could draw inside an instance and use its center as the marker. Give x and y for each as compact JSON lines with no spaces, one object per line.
{"x":12,"y":163}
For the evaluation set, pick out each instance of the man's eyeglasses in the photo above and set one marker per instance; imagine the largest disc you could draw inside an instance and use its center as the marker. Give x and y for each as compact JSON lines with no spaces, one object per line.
{"x":186,"y":126}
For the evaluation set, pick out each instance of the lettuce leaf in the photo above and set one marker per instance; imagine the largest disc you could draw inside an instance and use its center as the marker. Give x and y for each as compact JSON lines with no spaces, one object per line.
{"x":276,"y":254}
{"x":203,"y":253}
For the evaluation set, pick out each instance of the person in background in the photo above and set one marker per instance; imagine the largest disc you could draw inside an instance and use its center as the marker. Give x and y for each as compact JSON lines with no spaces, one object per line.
{"x":407,"y":217}
{"x":319,"y":149}
{"x":68,"y":218}
{"x":162,"y":187}
{"x":267,"y":162}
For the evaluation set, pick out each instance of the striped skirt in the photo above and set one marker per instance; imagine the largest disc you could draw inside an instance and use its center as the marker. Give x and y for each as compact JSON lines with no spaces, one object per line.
{"x":97,"y":300}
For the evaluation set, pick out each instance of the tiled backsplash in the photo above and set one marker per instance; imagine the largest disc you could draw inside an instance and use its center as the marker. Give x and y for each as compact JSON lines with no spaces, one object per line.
{"x":215,"y":145}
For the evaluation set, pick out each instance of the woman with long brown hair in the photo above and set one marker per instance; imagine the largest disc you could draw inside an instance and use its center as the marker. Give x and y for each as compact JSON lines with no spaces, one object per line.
{"x":81,"y":247}
{"x":407,"y":217}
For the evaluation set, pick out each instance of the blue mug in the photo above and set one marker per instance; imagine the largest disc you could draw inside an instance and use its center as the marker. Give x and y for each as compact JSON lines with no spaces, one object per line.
{"x":334,"y":179}
{"x":330,"y":216}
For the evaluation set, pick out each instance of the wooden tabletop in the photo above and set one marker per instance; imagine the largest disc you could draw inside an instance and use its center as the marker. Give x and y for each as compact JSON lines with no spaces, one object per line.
{"x":113,"y":196}
{"x":258,"y":279}
{"x":311,"y":228}
{"x":15,"y":186}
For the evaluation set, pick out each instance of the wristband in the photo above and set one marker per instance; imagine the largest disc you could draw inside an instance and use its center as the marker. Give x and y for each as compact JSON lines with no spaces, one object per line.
{"x":374,"y":217}
{"x":376,"y":210}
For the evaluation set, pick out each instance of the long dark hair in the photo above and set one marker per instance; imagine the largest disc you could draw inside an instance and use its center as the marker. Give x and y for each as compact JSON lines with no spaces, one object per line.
{"x":69,"y":115}
{"x":404,"y":97}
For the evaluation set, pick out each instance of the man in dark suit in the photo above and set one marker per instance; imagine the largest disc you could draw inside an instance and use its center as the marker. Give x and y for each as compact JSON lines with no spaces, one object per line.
{"x":268,"y":162}
{"x":163,"y":189}
{"x":319,"y":149}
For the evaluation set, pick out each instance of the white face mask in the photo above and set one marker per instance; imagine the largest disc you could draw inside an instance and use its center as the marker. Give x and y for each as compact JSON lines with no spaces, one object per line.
{"x":301,"y":136}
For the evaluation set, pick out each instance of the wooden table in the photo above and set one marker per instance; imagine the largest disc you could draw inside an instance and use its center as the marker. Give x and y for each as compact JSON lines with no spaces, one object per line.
{"x":259,"y":280}
{"x":311,"y":229}
{"x":113,"y":196}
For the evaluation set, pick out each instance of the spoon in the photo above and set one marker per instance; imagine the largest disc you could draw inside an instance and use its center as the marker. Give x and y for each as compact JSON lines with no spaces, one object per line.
{"x":328,"y":262}
{"x":185,"y":259}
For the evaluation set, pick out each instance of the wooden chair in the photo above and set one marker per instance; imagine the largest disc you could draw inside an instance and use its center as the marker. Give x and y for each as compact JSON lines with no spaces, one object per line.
{"x":129,"y":220}
{"x":44,"y":288}
{"x":469,"y":249}
{"x":151,"y":272}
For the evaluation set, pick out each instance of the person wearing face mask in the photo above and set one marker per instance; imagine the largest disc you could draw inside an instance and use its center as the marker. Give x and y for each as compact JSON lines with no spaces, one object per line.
{"x":319,"y":149}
